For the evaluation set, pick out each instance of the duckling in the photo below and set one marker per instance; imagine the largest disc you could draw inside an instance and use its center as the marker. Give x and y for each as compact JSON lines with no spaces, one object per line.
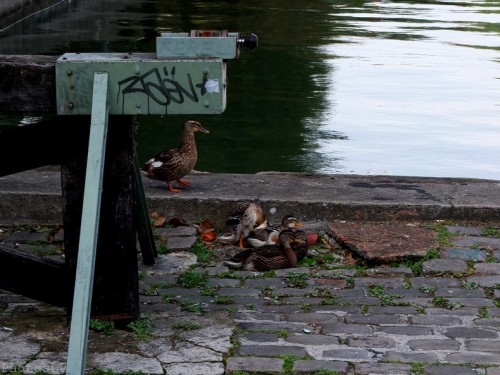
{"x":176,"y":163}
{"x":270,"y":235}
{"x":243,"y":219}
{"x":271,"y":257}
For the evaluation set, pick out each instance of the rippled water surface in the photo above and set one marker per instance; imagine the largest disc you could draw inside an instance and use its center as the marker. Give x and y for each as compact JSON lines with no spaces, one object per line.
{"x":365,"y":87}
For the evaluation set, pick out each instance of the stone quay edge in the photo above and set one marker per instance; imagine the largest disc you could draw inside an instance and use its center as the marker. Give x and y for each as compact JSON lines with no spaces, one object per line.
{"x":35,"y":196}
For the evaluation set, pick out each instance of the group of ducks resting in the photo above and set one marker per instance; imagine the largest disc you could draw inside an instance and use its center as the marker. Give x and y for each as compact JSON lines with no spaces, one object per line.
{"x":271,"y":246}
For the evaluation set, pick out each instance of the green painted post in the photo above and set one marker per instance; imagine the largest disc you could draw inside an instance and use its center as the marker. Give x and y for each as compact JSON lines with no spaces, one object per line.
{"x":77,"y":350}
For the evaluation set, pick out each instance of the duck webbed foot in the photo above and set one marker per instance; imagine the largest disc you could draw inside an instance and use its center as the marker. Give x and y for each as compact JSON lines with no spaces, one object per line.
{"x":183,"y":182}
{"x":171,"y":188}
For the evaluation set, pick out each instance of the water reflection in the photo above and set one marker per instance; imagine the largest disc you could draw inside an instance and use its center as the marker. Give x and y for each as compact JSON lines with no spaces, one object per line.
{"x":428,"y":101}
{"x":402,"y":87}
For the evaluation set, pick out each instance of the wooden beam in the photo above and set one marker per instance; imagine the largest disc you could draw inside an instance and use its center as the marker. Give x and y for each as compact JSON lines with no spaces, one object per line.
{"x":27,"y":83}
{"x":32,"y":276}
{"x":116,"y":294}
{"x":48,"y":142}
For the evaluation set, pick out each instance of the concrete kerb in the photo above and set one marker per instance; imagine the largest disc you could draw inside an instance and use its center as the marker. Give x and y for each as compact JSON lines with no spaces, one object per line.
{"x":36,"y":196}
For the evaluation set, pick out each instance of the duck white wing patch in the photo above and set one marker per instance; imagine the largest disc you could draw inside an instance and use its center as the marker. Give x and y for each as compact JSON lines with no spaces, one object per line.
{"x":156,"y":164}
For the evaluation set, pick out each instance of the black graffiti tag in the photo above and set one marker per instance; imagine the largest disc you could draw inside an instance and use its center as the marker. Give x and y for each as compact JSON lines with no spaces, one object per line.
{"x":161,"y":90}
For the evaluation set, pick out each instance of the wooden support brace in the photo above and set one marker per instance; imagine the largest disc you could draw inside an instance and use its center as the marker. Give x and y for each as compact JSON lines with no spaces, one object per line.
{"x":89,"y":228}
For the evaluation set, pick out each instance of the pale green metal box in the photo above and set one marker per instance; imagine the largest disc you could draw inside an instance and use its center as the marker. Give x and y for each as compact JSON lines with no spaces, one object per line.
{"x":183,"y":45}
{"x":142,"y":84}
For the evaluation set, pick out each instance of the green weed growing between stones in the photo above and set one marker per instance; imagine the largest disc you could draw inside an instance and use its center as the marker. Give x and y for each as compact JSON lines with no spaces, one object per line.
{"x":416,"y":265}
{"x":192,"y":306}
{"x":469,"y":285}
{"x":443,"y":235}
{"x":203,"y":253}
{"x":328,"y":301}
{"x":223,"y":300}
{"x":430,"y":290}
{"x":407,"y":284}
{"x":320,"y":293}
{"x":418,"y":368}
{"x":289,"y":360}
{"x":491,"y":232}
{"x":102,"y":326}
{"x":378,"y":291}
{"x":297,"y":279}
{"x":39,"y":250}
{"x":446,"y":304}
{"x":193,"y":279}
{"x":141,"y":328}
{"x":211,"y":292}
{"x":39,"y":243}
{"x":306,"y":307}
{"x":483,"y":312}
{"x":235,"y":345}
{"x":270,"y":273}
{"x":162,"y":248}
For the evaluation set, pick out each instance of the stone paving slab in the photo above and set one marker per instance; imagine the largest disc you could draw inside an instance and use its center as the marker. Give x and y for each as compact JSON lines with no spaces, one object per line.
{"x":384,"y":242}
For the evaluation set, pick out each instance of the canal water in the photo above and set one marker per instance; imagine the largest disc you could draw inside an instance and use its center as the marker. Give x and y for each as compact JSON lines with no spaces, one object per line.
{"x":352,"y":87}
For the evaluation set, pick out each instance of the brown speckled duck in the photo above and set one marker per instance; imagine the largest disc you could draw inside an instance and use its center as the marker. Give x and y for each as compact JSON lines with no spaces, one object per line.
{"x":272,"y":257}
{"x":243,"y":219}
{"x":172,"y":165}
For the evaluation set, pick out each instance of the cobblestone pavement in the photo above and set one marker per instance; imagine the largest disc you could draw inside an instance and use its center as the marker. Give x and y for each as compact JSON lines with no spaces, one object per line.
{"x":333,"y":314}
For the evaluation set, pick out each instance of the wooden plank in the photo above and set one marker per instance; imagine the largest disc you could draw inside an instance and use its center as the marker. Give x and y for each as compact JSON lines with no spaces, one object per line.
{"x":117,"y":288}
{"x":77,"y":352}
{"x":27,"y":83}
{"x":32,"y":276}
{"x":48,"y":142}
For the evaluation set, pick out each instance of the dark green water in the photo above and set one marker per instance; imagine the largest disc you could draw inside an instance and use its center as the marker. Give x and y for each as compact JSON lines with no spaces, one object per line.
{"x":366,"y":87}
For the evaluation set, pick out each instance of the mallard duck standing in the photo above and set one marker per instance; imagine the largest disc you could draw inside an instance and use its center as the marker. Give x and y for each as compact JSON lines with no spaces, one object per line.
{"x":270,"y":235}
{"x":271,"y":257}
{"x":243,"y":219}
{"x":172,"y":165}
